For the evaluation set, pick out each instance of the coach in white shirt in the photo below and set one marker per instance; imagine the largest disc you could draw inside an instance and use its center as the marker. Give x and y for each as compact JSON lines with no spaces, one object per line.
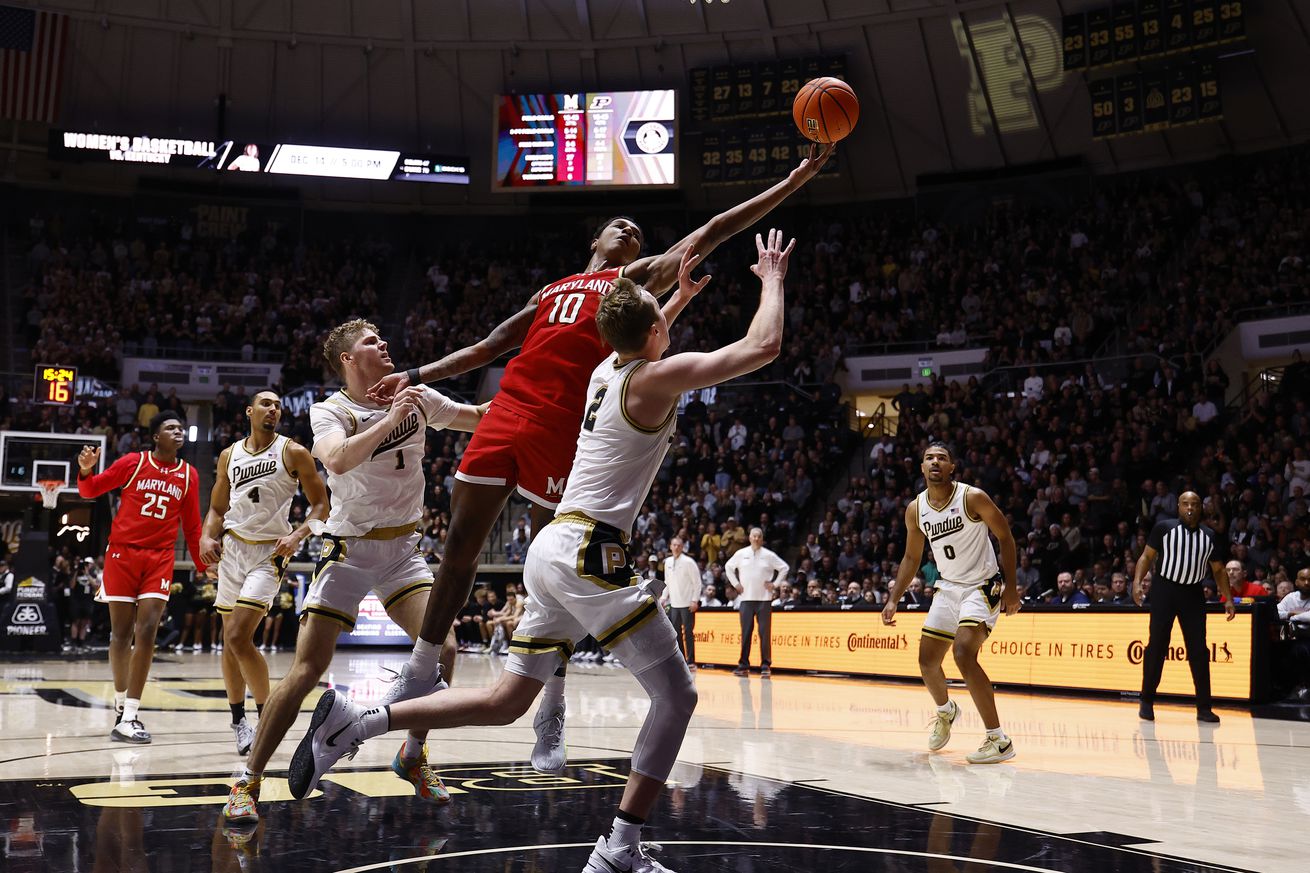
{"x":752,"y":572}
{"x":682,"y":578}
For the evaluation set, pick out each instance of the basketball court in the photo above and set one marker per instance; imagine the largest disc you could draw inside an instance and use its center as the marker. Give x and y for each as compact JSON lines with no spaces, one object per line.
{"x":794,"y":773}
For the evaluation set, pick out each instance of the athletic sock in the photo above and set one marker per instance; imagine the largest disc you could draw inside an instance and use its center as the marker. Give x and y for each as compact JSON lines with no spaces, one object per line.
{"x":947,"y":708}
{"x":423,"y":660}
{"x":413,"y":748}
{"x":238,"y":712}
{"x":625,"y":831}
{"x":130,"y":707}
{"x":377,"y":722}
{"x":249,"y":776}
{"x":552,"y":693}
{"x":119,"y":698}
{"x":996,"y":733}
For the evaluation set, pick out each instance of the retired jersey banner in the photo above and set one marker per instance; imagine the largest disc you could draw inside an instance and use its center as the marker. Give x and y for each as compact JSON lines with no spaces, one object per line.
{"x":1098,"y":651}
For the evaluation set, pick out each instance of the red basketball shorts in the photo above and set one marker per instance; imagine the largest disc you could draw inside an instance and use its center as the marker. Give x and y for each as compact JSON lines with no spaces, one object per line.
{"x":512,"y":449}
{"x":133,"y":573}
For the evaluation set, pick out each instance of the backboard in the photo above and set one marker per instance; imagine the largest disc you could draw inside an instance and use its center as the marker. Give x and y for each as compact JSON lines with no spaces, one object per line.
{"x":29,"y":456}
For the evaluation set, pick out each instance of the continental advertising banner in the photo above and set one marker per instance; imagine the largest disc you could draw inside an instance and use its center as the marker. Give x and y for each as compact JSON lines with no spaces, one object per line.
{"x":1099,"y":651}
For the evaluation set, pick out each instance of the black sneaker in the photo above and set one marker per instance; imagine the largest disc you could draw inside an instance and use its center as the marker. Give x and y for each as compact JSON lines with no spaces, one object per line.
{"x":1146,"y":712}
{"x":741,"y":671}
{"x":1208,"y":717}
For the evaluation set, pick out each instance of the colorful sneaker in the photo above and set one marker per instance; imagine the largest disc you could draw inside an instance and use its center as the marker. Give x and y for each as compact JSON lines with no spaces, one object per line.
{"x":623,"y":859}
{"x":407,"y":686}
{"x":549,"y":754}
{"x":427,"y":784}
{"x":245,"y":736}
{"x":241,"y":800}
{"x":941,"y":727}
{"x":130,"y":732}
{"x":335,"y":730}
{"x":993,"y":750}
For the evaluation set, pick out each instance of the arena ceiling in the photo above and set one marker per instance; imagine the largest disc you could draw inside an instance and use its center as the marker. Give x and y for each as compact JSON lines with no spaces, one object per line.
{"x":944,"y":86}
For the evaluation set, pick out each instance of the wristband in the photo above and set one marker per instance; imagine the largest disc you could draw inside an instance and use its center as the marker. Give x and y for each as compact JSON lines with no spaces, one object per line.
{"x":412,"y":375}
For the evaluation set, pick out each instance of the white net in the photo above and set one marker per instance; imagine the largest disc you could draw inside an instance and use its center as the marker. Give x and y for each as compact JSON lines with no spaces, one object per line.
{"x":50,"y":489}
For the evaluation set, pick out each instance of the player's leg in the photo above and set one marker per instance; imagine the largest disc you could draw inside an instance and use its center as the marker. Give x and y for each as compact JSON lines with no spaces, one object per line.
{"x":314,"y":648}
{"x":144,"y":624}
{"x":122,"y":623}
{"x":243,"y":666}
{"x":979,"y":612}
{"x":937,"y":638}
{"x":474,"y":508}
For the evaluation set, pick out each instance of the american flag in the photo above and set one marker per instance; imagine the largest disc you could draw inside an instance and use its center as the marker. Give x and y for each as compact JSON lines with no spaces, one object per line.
{"x":32,"y":49}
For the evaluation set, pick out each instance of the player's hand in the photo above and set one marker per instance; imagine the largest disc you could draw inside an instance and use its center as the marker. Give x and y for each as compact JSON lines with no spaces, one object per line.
{"x":687,"y":286}
{"x":384,"y":390}
{"x":406,"y":401}
{"x":482,"y":410}
{"x":1230,"y":609}
{"x":889,"y":612}
{"x":1010,"y":600}
{"x":810,"y":167}
{"x":773,"y":257}
{"x":1137,"y":594}
{"x":211,"y":550}
{"x":87,"y":460}
{"x":287,"y":546}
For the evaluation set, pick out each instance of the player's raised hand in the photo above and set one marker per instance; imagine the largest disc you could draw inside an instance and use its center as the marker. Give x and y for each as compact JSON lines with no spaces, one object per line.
{"x":87,"y":460}
{"x":813,"y":163}
{"x":687,"y":286}
{"x":384,"y":390}
{"x":772,"y":263}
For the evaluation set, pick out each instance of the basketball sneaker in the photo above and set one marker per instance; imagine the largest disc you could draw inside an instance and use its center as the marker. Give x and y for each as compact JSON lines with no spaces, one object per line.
{"x":407,"y":686}
{"x":427,"y":784}
{"x":941,"y":727}
{"x":623,"y":859}
{"x":993,"y":750}
{"x":245,"y":736}
{"x":241,"y":800}
{"x":335,"y":730}
{"x":549,"y":754}
{"x":131,"y":731}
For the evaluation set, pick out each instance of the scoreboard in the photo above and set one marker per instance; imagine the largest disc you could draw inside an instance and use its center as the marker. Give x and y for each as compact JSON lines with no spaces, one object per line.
{"x":1176,"y":96}
{"x":55,"y":385}
{"x":732,"y":92}
{"x":1149,"y":28}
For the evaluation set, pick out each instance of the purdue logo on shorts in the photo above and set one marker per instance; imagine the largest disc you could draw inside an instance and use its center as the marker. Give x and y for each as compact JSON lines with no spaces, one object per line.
{"x":603,"y":560}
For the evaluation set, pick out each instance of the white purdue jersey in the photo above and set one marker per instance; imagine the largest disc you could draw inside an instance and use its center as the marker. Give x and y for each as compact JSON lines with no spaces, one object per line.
{"x":960,"y":545}
{"x":617,"y":459}
{"x":387,"y":489}
{"x":262,"y":486}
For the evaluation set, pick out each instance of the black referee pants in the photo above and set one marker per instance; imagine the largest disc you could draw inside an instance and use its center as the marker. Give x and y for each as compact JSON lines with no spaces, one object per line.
{"x":752,"y":612}
{"x":1169,"y":600}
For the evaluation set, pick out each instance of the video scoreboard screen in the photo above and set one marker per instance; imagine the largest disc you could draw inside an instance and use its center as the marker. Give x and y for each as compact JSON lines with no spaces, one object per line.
{"x":1176,"y":96}
{"x":731,"y":92}
{"x":585,"y":139}
{"x":1149,"y":28}
{"x":279,"y":158}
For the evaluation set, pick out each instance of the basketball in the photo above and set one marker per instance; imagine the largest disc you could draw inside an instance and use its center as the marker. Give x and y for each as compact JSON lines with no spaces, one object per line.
{"x":825,"y":110}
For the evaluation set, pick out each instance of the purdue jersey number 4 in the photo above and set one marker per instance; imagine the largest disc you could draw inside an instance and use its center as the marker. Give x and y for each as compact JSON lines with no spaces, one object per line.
{"x":960,"y":544}
{"x":262,"y":488}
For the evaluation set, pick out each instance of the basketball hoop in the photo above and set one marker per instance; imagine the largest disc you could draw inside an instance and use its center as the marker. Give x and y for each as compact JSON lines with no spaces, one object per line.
{"x":49,"y":493}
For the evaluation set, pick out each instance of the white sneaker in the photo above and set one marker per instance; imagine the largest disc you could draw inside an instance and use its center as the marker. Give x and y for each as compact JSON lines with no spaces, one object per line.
{"x":624,"y":859}
{"x":335,"y":730}
{"x":245,"y":736}
{"x":992,"y":751}
{"x":197,"y":648}
{"x":218,"y":648}
{"x":130,"y":732}
{"x":407,"y":686}
{"x":549,"y":754}
{"x":941,"y":727}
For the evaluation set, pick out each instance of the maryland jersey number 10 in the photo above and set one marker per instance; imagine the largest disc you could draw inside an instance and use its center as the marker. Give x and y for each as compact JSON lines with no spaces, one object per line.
{"x":566,"y":308}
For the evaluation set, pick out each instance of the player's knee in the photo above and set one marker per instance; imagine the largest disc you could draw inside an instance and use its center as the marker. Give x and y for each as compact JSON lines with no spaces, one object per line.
{"x":122,"y":636}
{"x":964,"y":654}
{"x":683,"y":701}
{"x":928,"y":659}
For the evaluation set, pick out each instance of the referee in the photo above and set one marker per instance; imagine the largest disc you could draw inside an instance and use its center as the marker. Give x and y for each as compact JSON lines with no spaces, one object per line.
{"x":1180,"y":552}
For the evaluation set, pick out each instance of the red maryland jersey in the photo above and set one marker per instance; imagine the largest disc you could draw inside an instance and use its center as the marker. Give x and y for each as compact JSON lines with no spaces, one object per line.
{"x":547,"y":379}
{"x":154,"y":501}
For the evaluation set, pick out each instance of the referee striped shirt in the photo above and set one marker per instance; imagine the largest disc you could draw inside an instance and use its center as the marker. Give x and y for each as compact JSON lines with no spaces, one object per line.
{"x":1184,"y":553}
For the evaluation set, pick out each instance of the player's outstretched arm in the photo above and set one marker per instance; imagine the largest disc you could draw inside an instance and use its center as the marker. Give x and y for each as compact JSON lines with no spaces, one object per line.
{"x":688,"y":287}
{"x":504,"y":338}
{"x":191,"y":519}
{"x":302,"y":464}
{"x":657,"y":273}
{"x":91,"y":484}
{"x":980,"y":505}
{"x":909,"y":562}
{"x":220,"y":499}
{"x":340,"y":453}
{"x":762,"y":343}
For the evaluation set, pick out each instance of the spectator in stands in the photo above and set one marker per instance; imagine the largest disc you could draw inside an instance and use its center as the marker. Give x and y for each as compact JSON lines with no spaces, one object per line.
{"x":1240,"y":585}
{"x":1066,"y":592}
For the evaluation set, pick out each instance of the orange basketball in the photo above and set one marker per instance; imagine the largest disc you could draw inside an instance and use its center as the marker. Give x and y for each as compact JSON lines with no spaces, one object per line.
{"x":825,"y":110}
